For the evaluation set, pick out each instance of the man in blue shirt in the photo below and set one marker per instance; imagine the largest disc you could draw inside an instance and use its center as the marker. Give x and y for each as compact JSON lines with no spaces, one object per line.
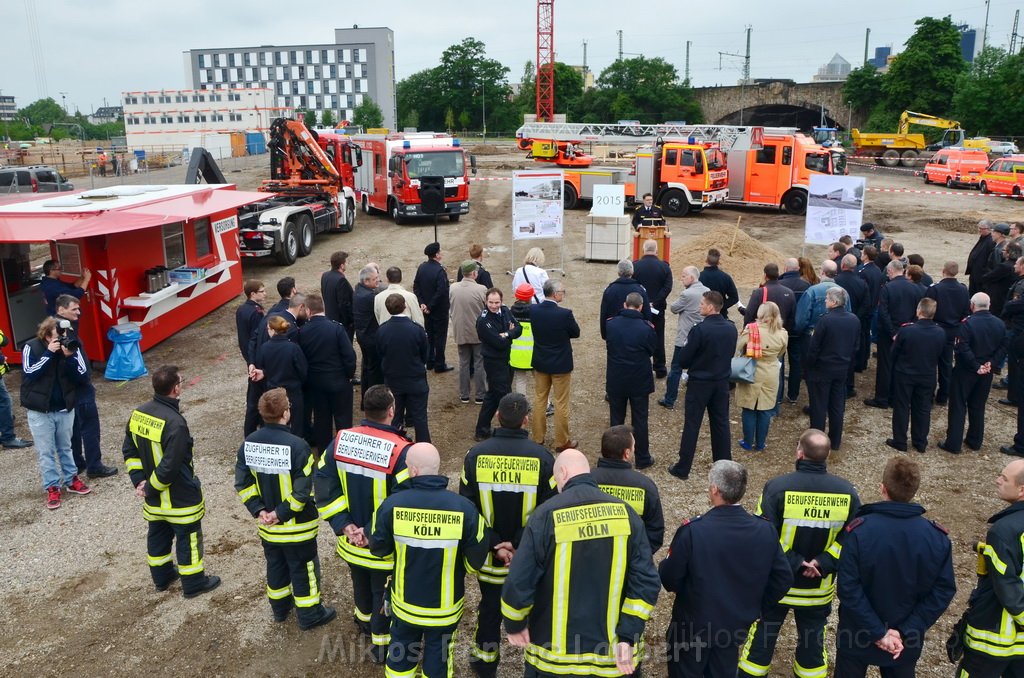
{"x":52,"y":286}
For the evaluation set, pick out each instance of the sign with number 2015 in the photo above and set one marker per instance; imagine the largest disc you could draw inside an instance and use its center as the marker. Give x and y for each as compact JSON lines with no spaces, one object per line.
{"x":609,"y":200}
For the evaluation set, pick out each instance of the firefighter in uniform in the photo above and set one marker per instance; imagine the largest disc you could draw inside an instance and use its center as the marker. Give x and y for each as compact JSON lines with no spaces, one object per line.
{"x":274,"y":479}
{"x":809,"y":509}
{"x":359,"y":471}
{"x":582,"y":583}
{"x":435,"y":536}
{"x":995,"y":611}
{"x":158,"y":455}
{"x":506,"y":477}
{"x":497,"y":330}
{"x":647,"y":214}
{"x":615,"y":475}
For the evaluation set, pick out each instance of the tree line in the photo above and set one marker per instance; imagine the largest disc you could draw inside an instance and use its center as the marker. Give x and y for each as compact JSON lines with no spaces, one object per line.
{"x":46,"y":118}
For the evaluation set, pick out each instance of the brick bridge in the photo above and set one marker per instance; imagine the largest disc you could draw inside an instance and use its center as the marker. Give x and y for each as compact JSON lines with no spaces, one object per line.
{"x":778,"y":103}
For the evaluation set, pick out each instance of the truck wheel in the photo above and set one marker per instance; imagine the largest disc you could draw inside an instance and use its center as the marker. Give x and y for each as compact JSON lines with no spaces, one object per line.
{"x":795,"y":202}
{"x":1016,"y":191}
{"x":350,"y":216}
{"x":366,"y":205}
{"x":674,"y":203}
{"x":289,"y":248}
{"x":926,"y":179}
{"x":570,"y":198}
{"x":305,"y":233}
{"x":983,"y":187}
{"x":949,"y":182}
{"x":453,"y":217}
{"x":396,"y":214}
{"x":891,"y":158}
{"x":908,"y":158}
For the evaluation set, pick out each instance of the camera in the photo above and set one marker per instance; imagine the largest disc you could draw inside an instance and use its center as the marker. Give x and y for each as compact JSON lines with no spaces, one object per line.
{"x":67,"y":337}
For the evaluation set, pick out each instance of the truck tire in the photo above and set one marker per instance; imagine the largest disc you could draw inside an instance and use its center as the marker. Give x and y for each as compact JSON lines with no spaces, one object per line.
{"x":350,"y":217}
{"x":395,"y":213}
{"x":795,"y":202}
{"x":570,"y":198}
{"x":949,"y":182}
{"x":366,"y":205}
{"x":454,"y":217}
{"x":1016,"y":191}
{"x":289,"y":247}
{"x":983,"y":187}
{"x":909,"y":158}
{"x":674,"y":203}
{"x":304,"y":229}
{"x":891,"y":158}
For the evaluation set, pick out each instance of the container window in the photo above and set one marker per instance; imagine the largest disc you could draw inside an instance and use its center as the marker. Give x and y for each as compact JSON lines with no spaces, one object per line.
{"x":174,"y":245}
{"x":70,"y":257}
{"x":201,"y":230}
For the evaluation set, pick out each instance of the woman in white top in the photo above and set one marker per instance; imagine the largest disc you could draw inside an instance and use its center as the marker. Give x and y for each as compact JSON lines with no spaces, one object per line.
{"x":532,"y":271}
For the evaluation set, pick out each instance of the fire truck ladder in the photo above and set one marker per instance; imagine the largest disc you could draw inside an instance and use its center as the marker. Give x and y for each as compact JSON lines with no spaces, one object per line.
{"x":725,"y":135}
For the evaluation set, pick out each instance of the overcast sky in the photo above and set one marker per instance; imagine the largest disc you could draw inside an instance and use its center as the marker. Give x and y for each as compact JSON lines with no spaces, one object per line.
{"x":92,"y":50}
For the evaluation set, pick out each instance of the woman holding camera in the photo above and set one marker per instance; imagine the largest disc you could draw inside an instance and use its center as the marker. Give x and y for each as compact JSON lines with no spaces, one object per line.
{"x":52,"y":373}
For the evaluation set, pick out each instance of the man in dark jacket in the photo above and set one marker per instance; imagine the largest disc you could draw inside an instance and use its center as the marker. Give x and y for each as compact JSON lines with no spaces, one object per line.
{"x":247,"y":322}
{"x":791,"y":279}
{"x":628,"y":377}
{"x":431,"y":288}
{"x":497,"y":329}
{"x":331,"y":366}
{"x":773,"y":290}
{"x":337,"y":293}
{"x":404,"y":350}
{"x":656,"y":277}
{"x":709,"y":623}
{"x":483,"y":276}
{"x":365,"y":322}
{"x":616,"y":476}
{"x":897,"y":306}
{"x":829,"y":356}
{"x":978,"y":259}
{"x":996,"y":283}
{"x":895,"y":579}
{"x":51,"y":376}
{"x":708,"y":358}
{"x":869,"y":235}
{"x":617,"y":291}
{"x":952,"y":305}
{"x":719,"y":281}
{"x":554,"y":328}
{"x":915,"y":359}
{"x":997,"y":602}
{"x":158,"y":455}
{"x":860,"y":303}
{"x":875,"y":278}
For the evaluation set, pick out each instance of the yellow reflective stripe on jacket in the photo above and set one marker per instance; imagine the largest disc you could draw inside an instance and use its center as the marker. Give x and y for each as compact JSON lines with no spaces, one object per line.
{"x":987,"y":550}
{"x":155,"y":482}
{"x":133,"y":464}
{"x":806,"y":597}
{"x":587,"y":664}
{"x":637,"y":608}
{"x":514,"y":614}
{"x":426,"y":616}
{"x":290,"y":532}
{"x":247,"y":493}
{"x":337,"y":506}
{"x":358,"y":555}
{"x":178,"y":516}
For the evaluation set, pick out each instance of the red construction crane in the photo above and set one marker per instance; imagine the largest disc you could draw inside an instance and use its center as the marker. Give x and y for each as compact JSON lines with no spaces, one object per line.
{"x":545,"y":60}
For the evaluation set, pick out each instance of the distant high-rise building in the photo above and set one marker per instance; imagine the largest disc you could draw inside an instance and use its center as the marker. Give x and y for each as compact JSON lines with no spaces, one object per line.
{"x":968,"y":42}
{"x":881,"y":56}
{"x":324,"y":77}
{"x":8,"y":109}
{"x":838,"y":69}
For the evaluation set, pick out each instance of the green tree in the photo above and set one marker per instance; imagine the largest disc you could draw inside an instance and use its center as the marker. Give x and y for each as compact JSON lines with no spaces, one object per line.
{"x":43,"y":111}
{"x":308,"y":116}
{"x":639,"y":88}
{"x":568,"y":90}
{"x":327,"y":119}
{"x":924,"y":76}
{"x":368,"y":114}
{"x":863,"y":88}
{"x":417,"y":107}
{"x":990,"y":96}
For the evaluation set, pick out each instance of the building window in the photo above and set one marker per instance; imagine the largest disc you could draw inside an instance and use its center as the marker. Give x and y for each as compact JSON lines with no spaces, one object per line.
{"x":164,"y":99}
{"x":183,"y":118}
{"x":234,"y":97}
{"x":149,"y":120}
{"x":166,"y":120}
{"x":201,"y":230}
{"x":201,"y":61}
{"x":174,"y":245}
{"x":235,"y":117}
{"x":201,"y":117}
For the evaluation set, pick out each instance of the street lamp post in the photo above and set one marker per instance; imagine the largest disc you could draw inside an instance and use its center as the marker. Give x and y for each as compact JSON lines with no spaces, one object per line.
{"x":64,"y":102}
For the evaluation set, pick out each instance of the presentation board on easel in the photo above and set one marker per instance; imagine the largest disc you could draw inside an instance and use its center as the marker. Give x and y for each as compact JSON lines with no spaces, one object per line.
{"x":835,"y":208}
{"x":537,"y":209}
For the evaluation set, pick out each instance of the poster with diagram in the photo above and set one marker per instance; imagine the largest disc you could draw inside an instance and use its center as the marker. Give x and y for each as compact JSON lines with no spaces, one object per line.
{"x":835,"y":208}
{"x":537,"y":210}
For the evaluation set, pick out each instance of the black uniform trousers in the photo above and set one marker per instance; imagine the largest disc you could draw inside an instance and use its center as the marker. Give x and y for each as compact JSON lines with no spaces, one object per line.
{"x":978,"y":665}
{"x":485,"y":653}
{"x":795,"y":358}
{"x":942,"y":396}
{"x":499,"y":384}
{"x":329,"y":411}
{"x":912,"y":403}
{"x":252,"y":412}
{"x":968,"y":394}
{"x":883,"y":368}
{"x":409,"y":644}
{"x":639,"y":408}
{"x":85,"y":436}
{"x":693,"y":656}
{"x":864,"y":348}
{"x":187,"y":541}
{"x":855,"y":666}
{"x":712,"y":396}
{"x":436,"y":325}
{"x":370,"y":373}
{"x":810,"y":641}
{"x":297,"y":403}
{"x":827,"y":397}
{"x":658,"y":320}
{"x":293,"y":579}
{"x":411,"y":410}
{"x":368,"y":587}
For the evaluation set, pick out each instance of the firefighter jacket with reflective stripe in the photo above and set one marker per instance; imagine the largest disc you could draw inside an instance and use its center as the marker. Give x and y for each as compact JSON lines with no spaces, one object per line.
{"x":435,"y":536}
{"x":158,"y":449}
{"x":619,"y":479}
{"x":521,"y":356}
{"x":506,"y":476}
{"x":355,"y":475}
{"x":995,"y":617}
{"x":809,"y":508}
{"x":274,"y":472}
{"x":581,"y":581}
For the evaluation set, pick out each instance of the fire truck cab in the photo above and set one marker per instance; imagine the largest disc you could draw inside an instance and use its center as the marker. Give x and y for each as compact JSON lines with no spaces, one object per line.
{"x":394,"y":164}
{"x":683,"y":176}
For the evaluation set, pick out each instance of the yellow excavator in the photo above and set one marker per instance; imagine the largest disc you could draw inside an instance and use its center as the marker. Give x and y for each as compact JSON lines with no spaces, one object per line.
{"x":909,"y":149}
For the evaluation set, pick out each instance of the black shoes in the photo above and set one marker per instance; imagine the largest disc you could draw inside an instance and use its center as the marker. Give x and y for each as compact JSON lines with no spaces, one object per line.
{"x":16,"y":443}
{"x":895,"y":445}
{"x":666,"y":404}
{"x":174,"y":577}
{"x":874,"y":402}
{"x":102,"y":472}
{"x":646,"y":463}
{"x":1007,"y":402}
{"x":946,"y":448}
{"x":210,"y":584}
{"x":282,"y":616}
{"x":443,"y":368}
{"x":329,"y":614}
{"x":1011,"y":450}
{"x":677,"y":472}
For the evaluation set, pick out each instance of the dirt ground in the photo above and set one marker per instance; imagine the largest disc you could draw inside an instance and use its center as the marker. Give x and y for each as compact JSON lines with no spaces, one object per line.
{"x":76,"y":588}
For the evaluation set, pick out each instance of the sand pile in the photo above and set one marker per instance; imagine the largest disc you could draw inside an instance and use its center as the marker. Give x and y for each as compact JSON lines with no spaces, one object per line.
{"x":745,"y":263}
